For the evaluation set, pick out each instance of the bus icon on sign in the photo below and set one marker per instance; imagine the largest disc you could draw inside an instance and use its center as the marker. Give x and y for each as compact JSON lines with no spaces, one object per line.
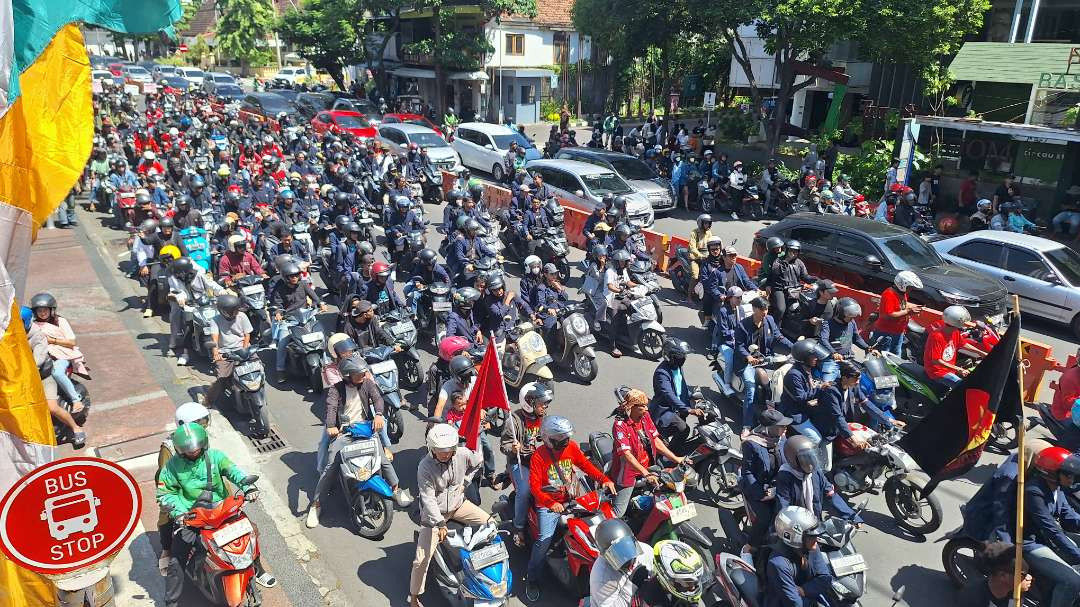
{"x":73,"y":512}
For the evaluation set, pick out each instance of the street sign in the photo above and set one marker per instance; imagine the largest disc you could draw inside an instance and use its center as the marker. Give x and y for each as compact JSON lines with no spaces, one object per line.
{"x":710,"y":101}
{"x":68,"y":515}
{"x":182,"y":48}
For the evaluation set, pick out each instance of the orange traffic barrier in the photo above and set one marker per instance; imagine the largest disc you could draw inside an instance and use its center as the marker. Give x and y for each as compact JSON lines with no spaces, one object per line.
{"x":574,"y":224}
{"x":447,"y":183}
{"x":657,"y":246}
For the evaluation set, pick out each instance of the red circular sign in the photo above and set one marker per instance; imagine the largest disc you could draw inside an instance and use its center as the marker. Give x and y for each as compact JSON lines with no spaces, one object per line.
{"x":182,"y":48}
{"x":69,"y":514}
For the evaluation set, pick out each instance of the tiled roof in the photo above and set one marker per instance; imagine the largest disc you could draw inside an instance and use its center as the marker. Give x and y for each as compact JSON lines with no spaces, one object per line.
{"x":553,"y":12}
{"x":204,"y":20}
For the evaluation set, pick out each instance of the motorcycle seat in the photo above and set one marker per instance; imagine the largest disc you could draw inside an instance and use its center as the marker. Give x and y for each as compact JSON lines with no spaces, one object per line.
{"x":918,"y":372}
{"x":603,"y":447}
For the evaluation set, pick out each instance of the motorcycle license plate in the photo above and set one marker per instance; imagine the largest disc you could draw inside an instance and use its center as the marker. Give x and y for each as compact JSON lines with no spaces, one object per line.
{"x":683,"y":513}
{"x":488,"y":555}
{"x":400,"y":329}
{"x":366,"y":221}
{"x":847,"y":565}
{"x":246,"y":368}
{"x":311,"y":338}
{"x":441,"y":306}
{"x":586,"y":340}
{"x":226,"y":535}
{"x":886,"y":381}
{"x":360,"y":447}
{"x":252,"y":290}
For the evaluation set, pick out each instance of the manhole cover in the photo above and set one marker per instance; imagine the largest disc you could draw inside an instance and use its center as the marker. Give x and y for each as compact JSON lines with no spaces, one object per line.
{"x":271,"y":443}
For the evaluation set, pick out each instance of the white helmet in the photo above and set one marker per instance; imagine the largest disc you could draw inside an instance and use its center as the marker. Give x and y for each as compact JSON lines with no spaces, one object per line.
{"x":956,"y":316}
{"x":984,"y":204}
{"x":234,"y":240}
{"x":794,"y":522}
{"x":173,"y":132}
{"x":556,"y":430}
{"x":192,"y":412}
{"x":149,"y":155}
{"x":532,"y":260}
{"x":532,"y":392}
{"x":907,"y":280}
{"x":442,"y":437}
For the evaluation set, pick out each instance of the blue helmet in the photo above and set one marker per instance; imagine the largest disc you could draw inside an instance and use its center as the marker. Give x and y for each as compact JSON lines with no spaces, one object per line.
{"x":402,"y":202}
{"x":27,"y":317}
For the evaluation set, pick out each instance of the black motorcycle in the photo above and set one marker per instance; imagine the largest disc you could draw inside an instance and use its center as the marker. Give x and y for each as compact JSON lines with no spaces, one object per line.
{"x":433,"y":310}
{"x":399,"y":323}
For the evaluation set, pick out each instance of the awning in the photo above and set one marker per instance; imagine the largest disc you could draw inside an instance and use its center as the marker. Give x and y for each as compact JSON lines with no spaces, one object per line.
{"x":475,"y":75}
{"x":528,"y":72}
{"x":413,"y":72}
{"x":1022,"y":132}
{"x":1013,"y":63}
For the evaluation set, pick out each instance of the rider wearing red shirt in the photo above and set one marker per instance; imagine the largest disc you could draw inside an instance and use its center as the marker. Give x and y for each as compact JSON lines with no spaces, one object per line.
{"x":943,"y":343}
{"x":637,"y":445}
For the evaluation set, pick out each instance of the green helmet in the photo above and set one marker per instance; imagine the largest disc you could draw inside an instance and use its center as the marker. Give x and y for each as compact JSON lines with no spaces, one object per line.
{"x":190,"y":440}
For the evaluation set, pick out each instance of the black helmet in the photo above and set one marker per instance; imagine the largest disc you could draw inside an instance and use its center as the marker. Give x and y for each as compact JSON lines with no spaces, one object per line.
{"x":366,"y":248}
{"x":183,"y":268}
{"x":793,"y":245}
{"x":703,"y":219}
{"x":343,"y":346}
{"x":675,"y":350}
{"x":599,"y":251}
{"x":774,"y":242}
{"x":607,"y":200}
{"x":342,"y":222}
{"x":290,"y":268}
{"x":228,"y":305}
{"x":472,"y":225}
{"x":847,"y":307}
{"x":183,"y":201}
{"x":805,"y":350}
{"x":465,"y":297}
{"x":476,"y":191}
{"x":623,"y":231}
{"x":341,"y":198}
{"x":353,"y":227}
{"x":353,"y":365}
{"x":427,"y":257}
{"x":43,"y":300}
{"x":620,"y":202}
{"x":462,"y":367}
{"x":496,"y":282}
{"x":166,"y":222}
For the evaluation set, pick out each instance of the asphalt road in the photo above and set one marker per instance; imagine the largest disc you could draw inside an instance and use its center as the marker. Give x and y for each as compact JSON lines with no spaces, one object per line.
{"x":375,"y":573}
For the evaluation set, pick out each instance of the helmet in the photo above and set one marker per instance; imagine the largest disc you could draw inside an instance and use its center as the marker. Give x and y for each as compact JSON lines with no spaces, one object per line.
{"x":1051,"y":460}
{"x":599,"y":251}
{"x":234,"y":241}
{"x":537,"y":391}
{"x":181,"y":268}
{"x":166,"y":222}
{"x":290,"y":268}
{"x":380,"y":268}
{"x":907,"y":280}
{"x":801,"y":452}
{"x":341,"y":222}
{"x":149,"y":155}
{"x":427,"y":256}
{"x":496,"y":282}
{"x":556,"y":431}
{"x":171,"y":250}
{"x":353,"y":365}
{"x":228,"y":304}
{"x":714,"y":241}
{"x":793,"y":245}
{"x":402,"y":202}
{"x":339,"y":344}
{"x":984,"y":204}
{"x":623,"y":231}
{"x":352,"y":227}
{"x":142,"y":196}
{"x":462,"y":367}
{"x":192,"y":412}
{"x":622,"y":255}
{"x":703,"y":219}
{"x":675,"y":350}
{"x":532,"y":260}
{"x":472,"y":226}
{"x":795,"y":522}
{"x":190,"y":440}
{"x":465,"y":297}
{"x":619,"y":202}
{"x":442,"y":437}
{"x":774,"y":243}
{"x":148,"y":226}
{"x":184,"y":201}
{"x":197,"y":181}
{"x":847,"y":307}
{"x":679,"y":570}
{"x":615,"y":541}
{"x":805,"y":350}
{"x":956,"y":316}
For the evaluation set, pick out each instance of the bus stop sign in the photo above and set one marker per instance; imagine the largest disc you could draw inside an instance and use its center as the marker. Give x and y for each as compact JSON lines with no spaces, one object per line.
{"x":69,"y":515}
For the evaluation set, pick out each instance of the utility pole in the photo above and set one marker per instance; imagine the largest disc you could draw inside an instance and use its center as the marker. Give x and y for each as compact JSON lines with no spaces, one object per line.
{"x":580,"y":50}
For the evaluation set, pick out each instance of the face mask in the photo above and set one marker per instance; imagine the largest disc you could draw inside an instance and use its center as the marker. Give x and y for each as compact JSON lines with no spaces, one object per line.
{"x":534,"y":270}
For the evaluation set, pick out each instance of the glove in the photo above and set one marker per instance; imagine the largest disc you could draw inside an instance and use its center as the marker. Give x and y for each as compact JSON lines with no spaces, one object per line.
{"x":187,"y":534}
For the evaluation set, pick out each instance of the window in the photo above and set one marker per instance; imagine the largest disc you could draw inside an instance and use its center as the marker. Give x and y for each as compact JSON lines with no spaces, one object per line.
{"x":515,"y":44}
{"x":909,"y":252}
{"x":1025,"y":263}
{"x":558,"y":179}
{"x":814,"y":237}
{"x":979,"y":251}
{"x":561,"y":42}
{"x":528,"y":94}
{"x":1067,"y":262}
{"x":324,"y":118}
{"x":853,"y":246}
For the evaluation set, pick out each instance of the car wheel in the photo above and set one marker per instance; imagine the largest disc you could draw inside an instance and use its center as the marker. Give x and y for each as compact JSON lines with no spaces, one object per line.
{"x":1075,"y":325}
{"x":497,"y":173}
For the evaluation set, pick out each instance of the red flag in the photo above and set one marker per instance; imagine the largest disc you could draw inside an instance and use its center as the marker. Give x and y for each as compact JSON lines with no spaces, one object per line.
{"x":487,"y":392}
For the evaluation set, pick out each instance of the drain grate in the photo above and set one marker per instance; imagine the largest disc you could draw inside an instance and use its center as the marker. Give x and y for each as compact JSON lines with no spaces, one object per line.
{"x":271,"y":443}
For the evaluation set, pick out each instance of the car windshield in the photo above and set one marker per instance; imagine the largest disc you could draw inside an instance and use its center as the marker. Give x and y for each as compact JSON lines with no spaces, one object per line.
{"x":273,"y":104}
{"x":605,"y":183}
{"x":909,"y":252}
{"x":192,"y":73}
{"x":229,"y":89}
{"x":176,"y":81}
{"x":1067,"y":262}
{"x":351,"y":122}
{"x":631,"y":168}
{"x":427,"y":140}
{"x":502,"y":142}
{"x":134,"y":69}
{"x":225,"y":79}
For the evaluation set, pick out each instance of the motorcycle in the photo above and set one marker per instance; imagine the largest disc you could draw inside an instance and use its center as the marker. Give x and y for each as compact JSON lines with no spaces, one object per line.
{"x":430,"y":181}
{"x":439,"y":371}
{"x":472,"y":567}
{"x":433,"y":311}
{"x":680,"y":270}
{"x":306,"y":348}
{"x":752,"y":204}
{"x":525,"y":356}
{"x":552,"y":248}
{"x":960,"y":559}
{"x":248,"y":387}
{"x":399,"y":323}
{"x":858,"y":471}
{"x":1063,"y":432}
{"x":198,"y":318}
{"x":253,"y":302}
{"x":574,"y":339}
{"x":222,"y":563}
{"x":403,"y":254}
{"x":795,"y":324}
{"x":125,"y":207}
{"x":642,"y":311}
{"x":367,"y":494}
{"x":385,"y":371}
{"x":644,"y":273}
{"x":775,"y":366}
{"x":713,"y":452}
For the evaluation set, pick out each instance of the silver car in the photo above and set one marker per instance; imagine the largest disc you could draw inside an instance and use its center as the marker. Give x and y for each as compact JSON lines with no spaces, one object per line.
{"x":1044,"y":274}
{"x":587,"y":184}
{"x":399,"y":136}
{"x":638,"y":174}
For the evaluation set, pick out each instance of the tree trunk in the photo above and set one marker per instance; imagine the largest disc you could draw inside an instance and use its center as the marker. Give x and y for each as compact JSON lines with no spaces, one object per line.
{"x":382,"y":80}
{"x":741,"y":56}
{"x":783,"y":98}
{"x":440,"y":76}
{"x":338,"y":76}
{"x":665,"y":75}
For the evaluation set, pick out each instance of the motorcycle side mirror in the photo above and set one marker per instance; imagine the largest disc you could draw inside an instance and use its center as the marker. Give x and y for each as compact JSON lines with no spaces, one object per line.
{"x":873,"y":261}
{"x":579,"y":193}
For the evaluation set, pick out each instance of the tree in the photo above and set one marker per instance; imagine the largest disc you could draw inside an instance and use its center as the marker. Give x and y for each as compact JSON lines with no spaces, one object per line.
{"x":328,"y":33}
{"x":242,"y":30}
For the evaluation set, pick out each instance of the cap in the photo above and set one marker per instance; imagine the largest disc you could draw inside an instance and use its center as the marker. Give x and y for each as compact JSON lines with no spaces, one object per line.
{"x":826,"y":285}
{"x":549,"y":268}
{"x":525,"y":187}
{"x":730,"y":251}
{"x":773,"y":417}
{"x":362,"y":307}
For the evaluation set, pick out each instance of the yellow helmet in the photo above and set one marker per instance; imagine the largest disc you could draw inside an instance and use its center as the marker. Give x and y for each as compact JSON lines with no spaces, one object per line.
{"x":171,"y":250}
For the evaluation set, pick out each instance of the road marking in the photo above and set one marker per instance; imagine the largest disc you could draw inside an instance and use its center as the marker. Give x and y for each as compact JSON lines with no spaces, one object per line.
{"x":131,"y":400}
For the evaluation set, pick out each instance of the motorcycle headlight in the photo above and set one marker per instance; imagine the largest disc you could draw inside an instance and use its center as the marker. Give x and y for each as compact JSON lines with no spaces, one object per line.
{"x":578,"y":325}
{"x":252,"y":385}
{"x":533,"y":343}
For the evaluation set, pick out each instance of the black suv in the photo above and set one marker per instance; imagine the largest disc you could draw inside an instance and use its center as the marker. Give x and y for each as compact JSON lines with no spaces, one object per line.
{"x":866,"y":254}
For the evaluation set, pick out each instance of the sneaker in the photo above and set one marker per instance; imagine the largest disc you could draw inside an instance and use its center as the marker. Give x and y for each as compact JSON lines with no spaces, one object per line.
{"x":182,"y":361}
{"x":532,"y":591}
{"x":147,"y":313}
{"x":636,"y":350}
{"x":402,"y":499}
{"x":281,"y":377}
{"x":273,"y":345}
{"x":312,"y":517}
{"x":266,"y":580}
{"x":79,"y":440}
{"x":734,"y":216}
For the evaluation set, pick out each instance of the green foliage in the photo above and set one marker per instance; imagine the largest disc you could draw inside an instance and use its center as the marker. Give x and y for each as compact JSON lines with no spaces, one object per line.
{"x":243,"y":28}
{"x":551,"y":109}
{"x":867,"y":168}
{"x":1069,"y":121}
{"x":919,"y":33}
{"x":732,"y":124}
{"x":328,"y":33}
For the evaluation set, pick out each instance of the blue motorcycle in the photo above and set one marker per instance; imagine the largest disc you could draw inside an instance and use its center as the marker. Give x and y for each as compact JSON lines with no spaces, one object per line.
{"x":472,"y":567}
{"x":367,"y":494}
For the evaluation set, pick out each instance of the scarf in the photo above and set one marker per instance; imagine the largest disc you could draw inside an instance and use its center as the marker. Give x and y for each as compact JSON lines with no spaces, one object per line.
{"x":761,"y":437}
{"x":807,"y":485}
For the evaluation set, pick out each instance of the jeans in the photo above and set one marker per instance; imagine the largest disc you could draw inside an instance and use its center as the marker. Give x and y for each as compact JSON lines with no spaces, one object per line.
{"x":279,"y":334}
{"x":1065,"y":579}
{"x":749,"y":379}
{"x":412,"y":296}
{"x":892,"y":342}
{"x":622,"y":500}
{"x":728,"y":354}
{"x":549,"y":522}
{"x":177,"y":337}
{"x":523,"y":495}
{"x":1067,"y":217}
{"x":330,"y":468}
{"x":951,"y":379}
{"x":59,"y":373}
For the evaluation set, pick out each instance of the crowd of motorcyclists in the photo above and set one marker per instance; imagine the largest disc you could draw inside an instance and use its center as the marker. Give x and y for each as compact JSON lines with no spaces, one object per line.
{"x":232,"y":220}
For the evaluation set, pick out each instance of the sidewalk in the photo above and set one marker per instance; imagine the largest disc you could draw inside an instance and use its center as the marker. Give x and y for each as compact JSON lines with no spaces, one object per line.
{"x":131,"y":411}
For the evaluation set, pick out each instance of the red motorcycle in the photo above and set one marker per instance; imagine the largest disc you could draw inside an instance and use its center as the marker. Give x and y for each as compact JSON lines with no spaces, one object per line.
{"x":125,"y":207}
{"x":223,"y":559}
{"x":573,"y":549}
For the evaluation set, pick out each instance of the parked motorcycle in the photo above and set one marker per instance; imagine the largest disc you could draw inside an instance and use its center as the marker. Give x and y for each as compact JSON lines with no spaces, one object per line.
{"x":884,"y":464}
{"x":472,"y":567}
{"x":575,"y":341}
{"x":222,"y":566}
{"x":525,"y":357}
{"x":367,"y":494}
{"x":399,"y":323}
{"x":305,"y":353}
{"x":248,"y":387}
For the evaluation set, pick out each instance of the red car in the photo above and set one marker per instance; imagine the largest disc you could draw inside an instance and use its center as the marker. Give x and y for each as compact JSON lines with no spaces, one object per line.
{"x":335,"y":121}
{"x":117,"y":69}
{"x":411,"y":119}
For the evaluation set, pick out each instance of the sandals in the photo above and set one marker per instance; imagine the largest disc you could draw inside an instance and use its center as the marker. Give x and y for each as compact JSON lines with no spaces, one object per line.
{"x":78,"y":440}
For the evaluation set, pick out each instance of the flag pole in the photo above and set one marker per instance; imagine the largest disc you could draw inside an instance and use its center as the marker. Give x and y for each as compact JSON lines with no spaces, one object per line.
{"x":510,"y":413}
{"x":1018,"y":537}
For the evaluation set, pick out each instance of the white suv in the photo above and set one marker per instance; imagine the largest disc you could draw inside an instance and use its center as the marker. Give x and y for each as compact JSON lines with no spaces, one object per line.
{"x":292,"y":75}
{"x":483,"y":146}
{"x":584,"y":185}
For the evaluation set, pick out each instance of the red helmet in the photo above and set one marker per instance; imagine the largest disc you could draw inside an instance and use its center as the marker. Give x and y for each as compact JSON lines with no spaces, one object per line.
{"x":1050,"y":459}
{"x":896,"y":187}
{"x":380,"y":268}
{"x":413,"y":146}
{"x":810,"y":178}
{"x":860,"y":198}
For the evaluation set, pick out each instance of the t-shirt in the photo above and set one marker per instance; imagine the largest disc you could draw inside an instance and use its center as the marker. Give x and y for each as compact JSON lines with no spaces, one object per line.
{"x":940,"y":346}
{"x":636,"y":438}
{"x":230,"y":332}
{"x":611,"y":588}
{"x":977,"y":594}
{"x":892,"y":301}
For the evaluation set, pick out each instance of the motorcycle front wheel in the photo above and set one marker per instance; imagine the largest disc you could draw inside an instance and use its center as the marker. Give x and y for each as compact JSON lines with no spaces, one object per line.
{"x":412,"y":377}
{"x":913,"y":511}
{"x":395,"y":426}
{"x":564,"y":270}
{"x":584,"y":367}
{"x":1003,"y":437}
{"x":720,"y":481}
{"x":958,"y":557}
{"x":371,"y":515}
{"x":651,"y":343}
